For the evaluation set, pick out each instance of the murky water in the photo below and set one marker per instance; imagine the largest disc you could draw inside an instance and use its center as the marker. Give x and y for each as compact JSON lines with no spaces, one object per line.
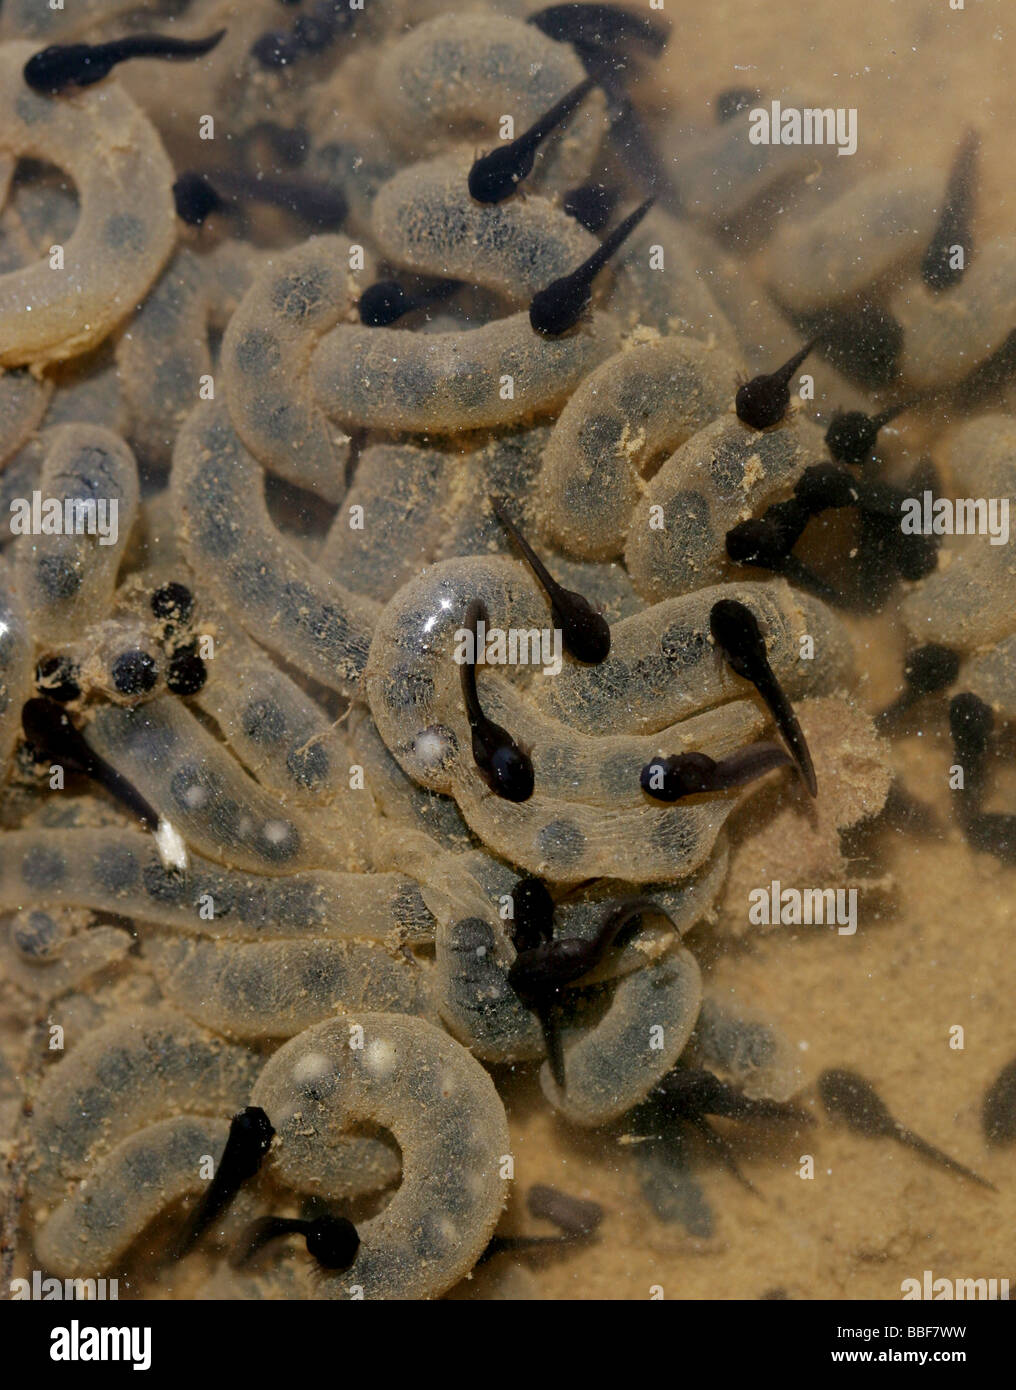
{"x":278,"y":809}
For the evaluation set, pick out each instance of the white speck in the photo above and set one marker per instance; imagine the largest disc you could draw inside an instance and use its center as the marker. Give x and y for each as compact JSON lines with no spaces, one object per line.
{"x":169,"y":843}
{"x":430,"y":748}
{"x":311,"y":1068}
{"x":277,"y":832}
{"x":379,"y":1058}
{"x":195,"y":797}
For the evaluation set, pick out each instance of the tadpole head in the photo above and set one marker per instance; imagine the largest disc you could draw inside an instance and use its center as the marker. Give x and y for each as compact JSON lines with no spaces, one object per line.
{"x":683,"y":774}
{"x":733,"y":100}
{"x":848,"y":1097}
{"x":195,"y":199}
{"x":64,"y":65}
{"x":495,"y":176}
{"x":333,"y":1241}
{"x":511,"y":772}
{"x":556,"y":309}
{"x":852,"y":436}
{"x":757,"y":541}
{"x":931,"y":668}
{"x":998,"y":1113}
{"x":46,"y":726}
{"x":736,"y":632}
{"x":538,"y":975}
{"x":824,"y":486}
{"x":250,"y":1138}
{"x":970,"y":723}
{"x":533,"y":909}
{"x":762,"y":402}
{"x":585,"y":633}
{"x":383,"y":303}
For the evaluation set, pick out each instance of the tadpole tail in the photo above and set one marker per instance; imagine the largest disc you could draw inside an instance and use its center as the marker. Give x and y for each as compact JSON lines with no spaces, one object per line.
{"x":558,"y":113}
{"x":161,"y":46}
{"x":249,"y":1139}
{"x":750,"y":763}
{"x":50,"y":730}
{"x":616,"y":238}
{"x":929,"y":1151}
{"x":501,"y":1245}
{"x":467,"y":671}
{"x":790,"y":367}
{"x":552,"y":1037}
{"x":787,"y":723}
{"x":532,"y":559}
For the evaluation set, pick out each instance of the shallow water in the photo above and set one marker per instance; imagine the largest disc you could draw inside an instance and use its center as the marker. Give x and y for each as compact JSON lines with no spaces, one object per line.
{"x":336,"y":901}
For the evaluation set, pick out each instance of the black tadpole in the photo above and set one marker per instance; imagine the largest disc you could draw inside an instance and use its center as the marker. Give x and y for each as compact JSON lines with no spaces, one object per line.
{"x":250,"y":1138}
{"x":51,"y":733}
{"x":503,"y":764}
{"x":689,"y":774}
{"x":926,"y":670}
{"x":539,"y":975}
{"x":849,"y":1097}
{"x":524,"y":1245}
{"x":332,"y":1240}
{"x":763,"y":401}
{"x":736,"y":632}
{"x":532,"y":913}
{"x":970,"y":725}
{"x":824,"y":487}
{"x":584,"y":632}
{"x":591,"y":204}
{"x":955,"y":225}
{"x":316,"y":203}
{"x":196,"y":199}
{"x":387,"y":301}
{"x":765,"y":543}
{"x":852,"y":435}
{"x":558,"y":307}
{"x":998,"y":1112}
{"x":65,"y":65}
{"x":496,"y":176}
{"x":693,"y":1091}
{"x":603,"y":26}
{"x":575,"y":1216}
